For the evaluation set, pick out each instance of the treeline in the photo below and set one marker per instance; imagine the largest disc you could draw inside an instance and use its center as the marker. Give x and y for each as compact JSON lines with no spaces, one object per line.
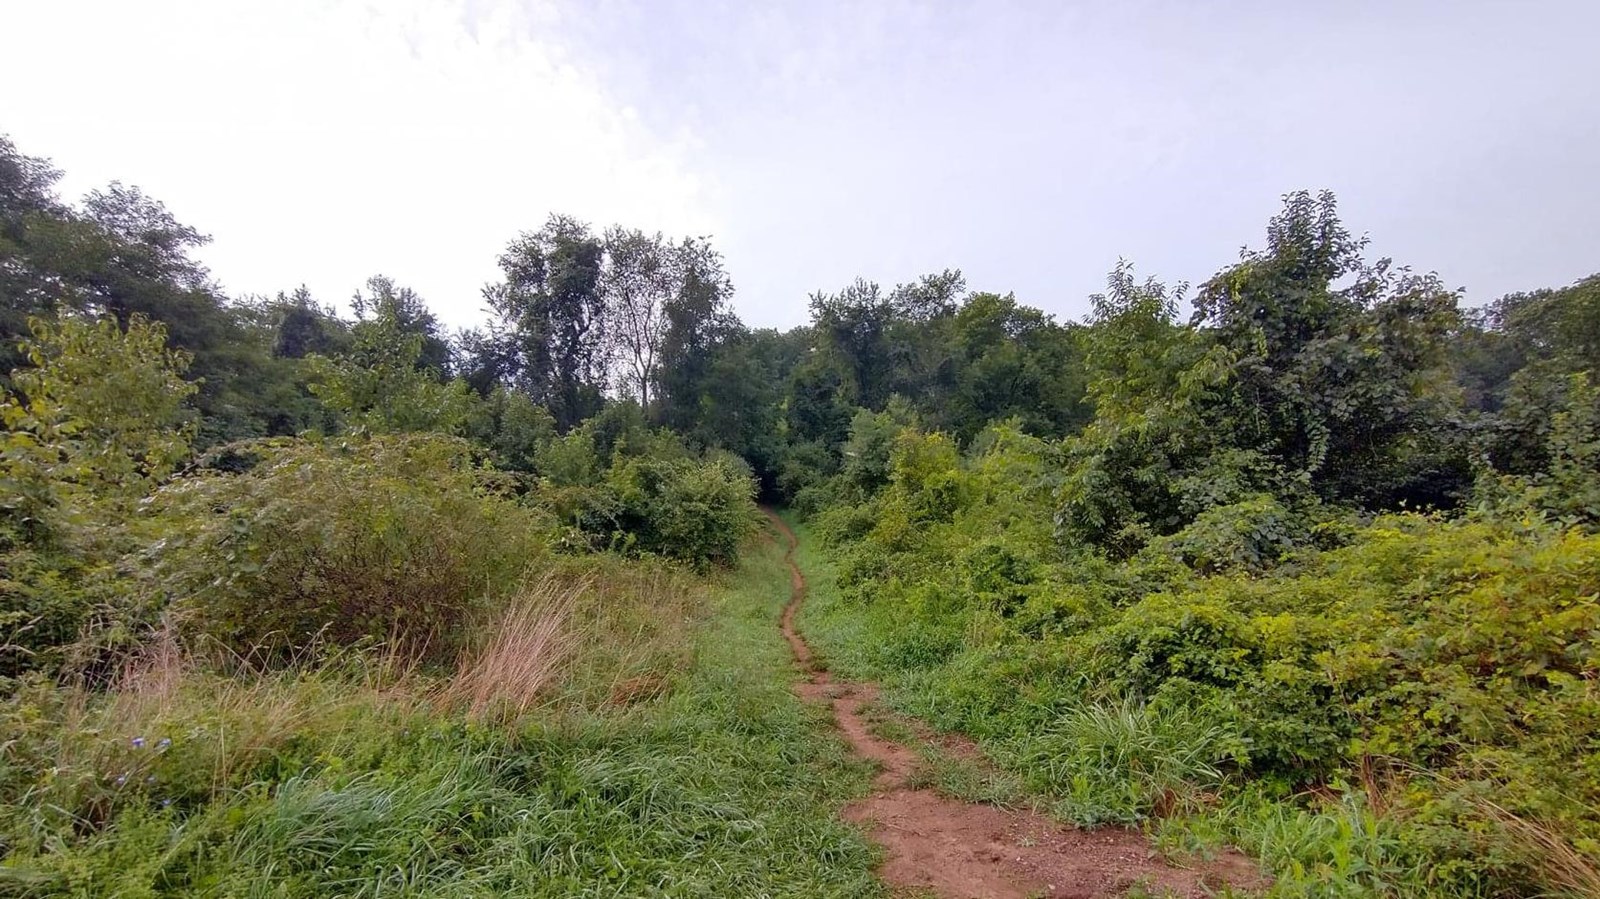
{"x":580,"y":321}
{"x":1382,"y":388}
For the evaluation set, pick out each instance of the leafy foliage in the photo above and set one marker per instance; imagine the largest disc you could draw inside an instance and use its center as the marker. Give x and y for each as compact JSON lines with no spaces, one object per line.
{"x":621,"y":486}
{"x":91,"y":427}
{"x":1263,"y":592}
{"x":384,"y":384}
{"x":398,"y":539}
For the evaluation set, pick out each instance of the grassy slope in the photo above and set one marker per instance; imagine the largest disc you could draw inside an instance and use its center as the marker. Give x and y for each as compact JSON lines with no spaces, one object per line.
{"x":727,"y":786}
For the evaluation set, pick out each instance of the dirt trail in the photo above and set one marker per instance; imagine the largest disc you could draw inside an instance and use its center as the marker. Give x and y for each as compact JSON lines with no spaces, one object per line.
{"x":964,"y":850}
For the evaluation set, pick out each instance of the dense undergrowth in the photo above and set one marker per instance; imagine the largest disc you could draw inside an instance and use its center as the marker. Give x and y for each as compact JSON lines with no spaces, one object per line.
{"x":659,"y":754}
{"x":1320,"y":576}
{"x":381,"y":664}
{"x":1409,"y":710}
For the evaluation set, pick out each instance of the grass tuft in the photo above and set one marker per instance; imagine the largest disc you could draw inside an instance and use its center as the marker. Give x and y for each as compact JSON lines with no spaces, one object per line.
{"x":526,"y":650}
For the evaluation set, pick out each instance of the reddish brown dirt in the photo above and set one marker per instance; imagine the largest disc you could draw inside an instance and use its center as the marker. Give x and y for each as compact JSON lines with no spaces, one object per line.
{"x":963,"y":850}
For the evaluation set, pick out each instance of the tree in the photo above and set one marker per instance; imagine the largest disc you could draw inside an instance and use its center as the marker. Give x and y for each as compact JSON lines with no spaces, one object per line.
{"x":920,"y":337}
{"x":698,"y":329}
{"x":514,"y":428}
{"x":401,"y":308}
{"x":100,"y":409}
{"x":639,"y":278}
{"x":1149,"y":378}
{"x":302,"y":328}
{"x":551,"y":311}
{"x":27,"y":194}
{"x":1349,"y":384}
{"x":381,"y":384}
{"x":737,"y":404}
{"x":125,"y":255}
{"x":852,"y":329}
{"x":1519,"y":361}
{"x":1009,"y":361}
{"x":819,"y":406}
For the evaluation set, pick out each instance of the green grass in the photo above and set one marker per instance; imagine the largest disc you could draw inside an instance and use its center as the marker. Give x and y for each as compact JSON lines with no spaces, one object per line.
{"x":725,"y":786}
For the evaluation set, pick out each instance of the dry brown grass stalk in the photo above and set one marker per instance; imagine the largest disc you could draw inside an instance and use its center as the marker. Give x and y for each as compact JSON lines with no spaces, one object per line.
{"x":525,"y":652}
{"x":152,"y":676}
{"x":250,"y":706}
{"x":1561,"y":864}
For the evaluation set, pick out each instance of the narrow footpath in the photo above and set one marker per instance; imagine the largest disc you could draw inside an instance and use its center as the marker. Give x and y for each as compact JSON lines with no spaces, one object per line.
{"x":963,"y":850}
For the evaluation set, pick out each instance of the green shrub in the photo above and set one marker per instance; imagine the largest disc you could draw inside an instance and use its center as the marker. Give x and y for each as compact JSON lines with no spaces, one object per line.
{"x":99,"y":419}
{"x":375,"y":539}
{"x":698,"y":512}
{"x":1253,"y":534}
{"x":1448,"y":665}
{"x":618,"y":485}
{"x":1565,"y":482}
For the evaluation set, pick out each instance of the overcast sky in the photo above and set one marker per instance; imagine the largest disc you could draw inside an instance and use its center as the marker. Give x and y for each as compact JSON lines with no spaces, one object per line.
{"x":1029,"y":144}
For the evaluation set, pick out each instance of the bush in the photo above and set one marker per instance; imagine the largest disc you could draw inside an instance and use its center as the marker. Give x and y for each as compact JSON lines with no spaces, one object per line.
{"x":99,"y":419}
{"x":1446,"y":666}
{"x":619,"y":486}
{"x":1251,"y":535}
{"x":384,"y":538}
{"x":697,"y":512}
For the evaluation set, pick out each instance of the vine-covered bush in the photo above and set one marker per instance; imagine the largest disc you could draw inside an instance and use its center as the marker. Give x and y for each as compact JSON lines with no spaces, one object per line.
{"x":384,"y":538}
{"x":620,"y":486}
{"x":697,"y":511}
{"x":96,"y":420}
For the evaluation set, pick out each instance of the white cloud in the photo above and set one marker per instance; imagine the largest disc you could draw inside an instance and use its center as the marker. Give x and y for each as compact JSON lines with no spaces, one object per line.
{"x":325,"y":142}
{"x":1031,"y":143}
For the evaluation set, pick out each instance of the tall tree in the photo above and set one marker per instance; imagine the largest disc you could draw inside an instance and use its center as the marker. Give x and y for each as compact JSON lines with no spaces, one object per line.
{"x":27,"y":196}
{"x":639,"y":278}
{"x":852,"y":329}
{"x":550,"y":312}
{"x":125,"y":254}
{"x":1011,"y":361}
{"x":382,"y":383}
{"x":1339,"y":368}
{"x":1517,"y":361}
{"x":401,"y":308}
{"x":698,"y":324}
{"x":920,"y":336}
{"x":301,"y":327}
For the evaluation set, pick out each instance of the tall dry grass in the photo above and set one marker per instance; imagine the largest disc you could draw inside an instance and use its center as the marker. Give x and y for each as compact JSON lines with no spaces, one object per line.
{"x":189,"y":720}
{"x":524,"y":651}
{"x":587,"y":634}
{"x":1562,"y":867}
{"x":179,"y":720}
{"x":636,"y":623}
